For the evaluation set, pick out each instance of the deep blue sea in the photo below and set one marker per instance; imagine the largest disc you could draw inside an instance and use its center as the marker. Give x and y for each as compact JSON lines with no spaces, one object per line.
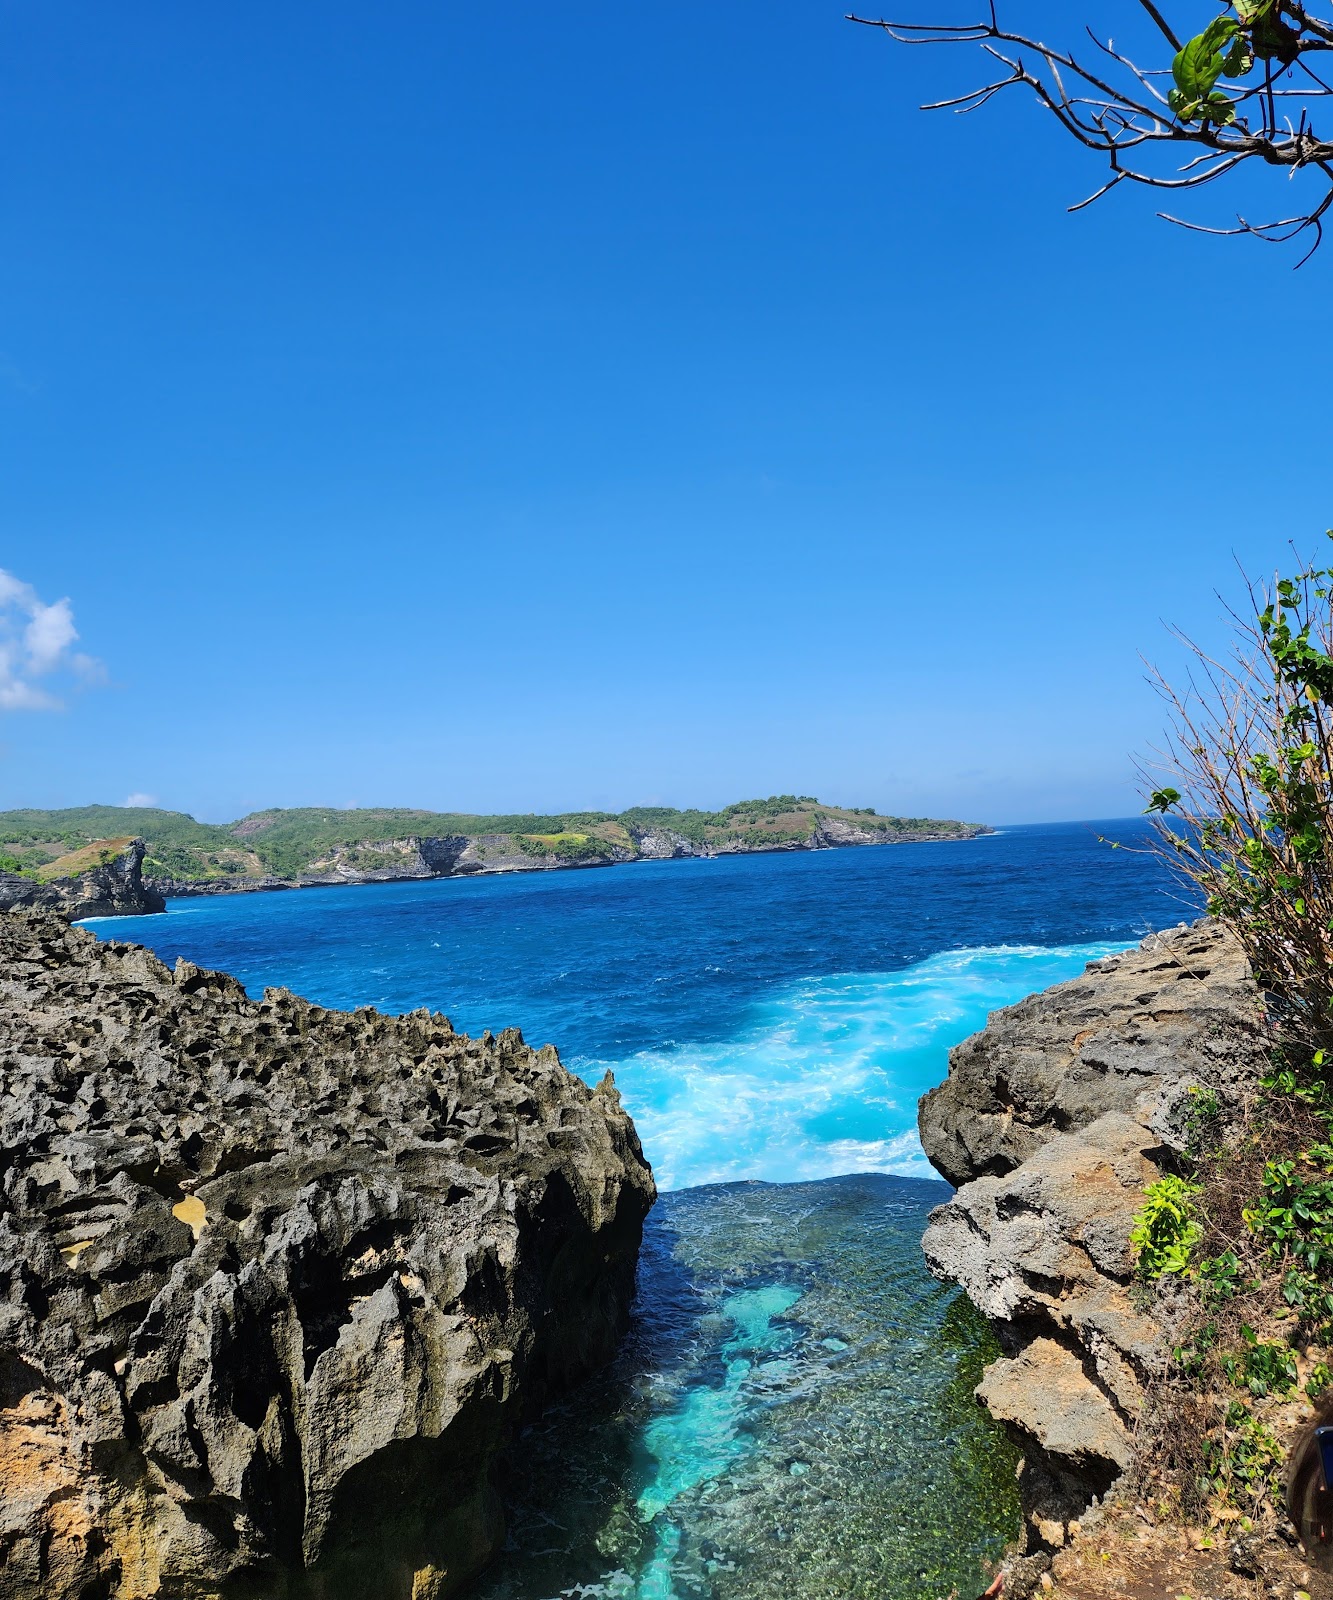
{"x":792,"y":1413}
{"x":766,"y":1016}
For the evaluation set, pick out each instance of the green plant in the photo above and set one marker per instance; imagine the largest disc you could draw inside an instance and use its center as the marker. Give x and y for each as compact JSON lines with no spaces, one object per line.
{"x":1222,"y":107}
{"x":1263,"y":1366}
{"x":1244,"y":1459}
{"x":1320,"y":1379}
{"x":1295,"y":1216}
{"x":1248,"y":815}
{"x":1203,"y":1120}
{"x":1191,"y":1356}
{"x":1220,"y":1275}
{"x":1166,"y":1230}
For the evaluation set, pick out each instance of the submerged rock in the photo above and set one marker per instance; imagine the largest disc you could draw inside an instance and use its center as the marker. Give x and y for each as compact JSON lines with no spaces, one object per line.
{"x":1051,"y":1123}
{"x":277,"y":1283}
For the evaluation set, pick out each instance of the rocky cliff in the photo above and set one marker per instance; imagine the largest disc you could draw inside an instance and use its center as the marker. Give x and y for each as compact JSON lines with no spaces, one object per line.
{"x":277,"y":1283}
{"x":368,"y":861}
{"x":1051,"y":1123}
{"x":103,"y":880}
{"x":310,"y":848}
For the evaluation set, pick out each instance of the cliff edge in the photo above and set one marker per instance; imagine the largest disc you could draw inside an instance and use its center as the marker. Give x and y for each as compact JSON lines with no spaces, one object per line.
{"x":277,"y":1283}
{"x":1051,"y":1123}
{"x":104,"y":879}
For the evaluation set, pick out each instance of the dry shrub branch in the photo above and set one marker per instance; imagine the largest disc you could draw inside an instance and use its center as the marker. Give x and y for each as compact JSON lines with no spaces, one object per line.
{"x":1247,"y":811}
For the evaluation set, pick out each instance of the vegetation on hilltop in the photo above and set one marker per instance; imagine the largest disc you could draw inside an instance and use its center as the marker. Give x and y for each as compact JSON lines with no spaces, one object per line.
{"x":289,"y":843}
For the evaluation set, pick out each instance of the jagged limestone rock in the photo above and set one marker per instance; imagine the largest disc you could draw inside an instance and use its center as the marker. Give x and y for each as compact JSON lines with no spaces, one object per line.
{"x":277,"y":1284}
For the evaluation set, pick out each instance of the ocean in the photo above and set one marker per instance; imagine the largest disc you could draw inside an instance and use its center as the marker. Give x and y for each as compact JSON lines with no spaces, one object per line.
{"x":792,"y":1412}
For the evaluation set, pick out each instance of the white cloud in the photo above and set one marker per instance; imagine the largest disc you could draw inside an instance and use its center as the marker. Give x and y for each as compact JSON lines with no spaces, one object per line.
{"x":35,"y":643}
{"x":137,"y":799}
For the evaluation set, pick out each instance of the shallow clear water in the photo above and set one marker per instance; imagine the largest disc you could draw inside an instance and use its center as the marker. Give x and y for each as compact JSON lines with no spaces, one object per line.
{"x":792,"y":1415}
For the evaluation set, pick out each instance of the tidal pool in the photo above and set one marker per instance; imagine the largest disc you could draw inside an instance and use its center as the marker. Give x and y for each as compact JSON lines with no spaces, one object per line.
{"x":791,"y":1416}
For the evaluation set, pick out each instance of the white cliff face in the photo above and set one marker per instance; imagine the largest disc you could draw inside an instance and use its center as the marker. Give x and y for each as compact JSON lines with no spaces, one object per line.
{"x":1052,"y":1122}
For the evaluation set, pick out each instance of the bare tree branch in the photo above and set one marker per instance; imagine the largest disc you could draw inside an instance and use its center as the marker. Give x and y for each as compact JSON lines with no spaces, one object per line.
{"x":1221,"y":111}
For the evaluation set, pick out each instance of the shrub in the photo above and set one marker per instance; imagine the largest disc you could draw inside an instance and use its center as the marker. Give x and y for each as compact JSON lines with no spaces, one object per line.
{"x":1166,"y":1230}
{"x":1320,"y":1379}
{"x":1244,"y":1460}
{"x":1263,"y":1366}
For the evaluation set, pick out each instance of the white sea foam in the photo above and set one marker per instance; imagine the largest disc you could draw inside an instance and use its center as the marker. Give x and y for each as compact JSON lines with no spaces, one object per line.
{"x":825,"y":1075}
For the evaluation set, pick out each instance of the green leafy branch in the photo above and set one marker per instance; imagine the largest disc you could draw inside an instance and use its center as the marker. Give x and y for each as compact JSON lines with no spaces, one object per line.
{"x":1228,"y":48}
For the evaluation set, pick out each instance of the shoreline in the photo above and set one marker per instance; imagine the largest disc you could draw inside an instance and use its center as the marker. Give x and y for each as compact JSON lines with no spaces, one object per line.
{"x":207,"y":888}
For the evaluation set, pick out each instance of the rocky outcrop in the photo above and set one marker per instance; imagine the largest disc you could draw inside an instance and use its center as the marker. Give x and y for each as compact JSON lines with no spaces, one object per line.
{"x":371,"y":861}
{"x":108,"y":884}
{"x":377,"y":859}
{"x":188,"y":888}
{"x":664,"y":844}
{"x":1051,"y":1123}
{"x":511,"y":852}
{"x":406,"y":859}
{"x":831,"y":833}
{"x":277,"y":1283}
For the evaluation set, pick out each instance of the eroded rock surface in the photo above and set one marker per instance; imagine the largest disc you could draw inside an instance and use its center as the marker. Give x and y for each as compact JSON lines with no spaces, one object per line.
{"x":278,"y":1283}
{"x":1051,"y":1123}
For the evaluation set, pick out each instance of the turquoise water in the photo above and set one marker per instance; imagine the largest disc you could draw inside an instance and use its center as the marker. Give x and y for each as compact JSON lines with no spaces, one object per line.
{"x":792,"y":1414}
{"x":824,"y":1076}
{"x":773,"y":1016}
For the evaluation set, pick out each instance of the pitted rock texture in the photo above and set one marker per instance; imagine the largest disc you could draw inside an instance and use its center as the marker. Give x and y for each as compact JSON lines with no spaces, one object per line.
{"x":1052,"y":1122}
{"x":113,"y":889}
{"x":278,"y":1284}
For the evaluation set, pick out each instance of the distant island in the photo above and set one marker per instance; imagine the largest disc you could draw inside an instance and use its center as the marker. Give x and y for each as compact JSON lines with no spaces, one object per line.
{"x":307,"y":846}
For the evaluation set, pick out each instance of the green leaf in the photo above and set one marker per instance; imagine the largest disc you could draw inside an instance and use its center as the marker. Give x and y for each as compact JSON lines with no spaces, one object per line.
{"x":1218,"y":108}
{"x":1183,"y":105}
{"x":1162,"y":800}
{"x":1239,"y":59}
{"x":1198,"y":64}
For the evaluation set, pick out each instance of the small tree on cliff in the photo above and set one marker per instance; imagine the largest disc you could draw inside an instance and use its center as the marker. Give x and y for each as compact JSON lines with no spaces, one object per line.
{"x":1192,"y":109}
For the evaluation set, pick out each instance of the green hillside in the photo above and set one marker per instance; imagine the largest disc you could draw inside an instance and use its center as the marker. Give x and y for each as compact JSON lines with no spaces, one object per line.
{"x":286,"y":843}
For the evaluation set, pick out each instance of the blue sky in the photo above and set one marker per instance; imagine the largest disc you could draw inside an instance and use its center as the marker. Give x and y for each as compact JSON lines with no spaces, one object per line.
{"x":538,"y":407}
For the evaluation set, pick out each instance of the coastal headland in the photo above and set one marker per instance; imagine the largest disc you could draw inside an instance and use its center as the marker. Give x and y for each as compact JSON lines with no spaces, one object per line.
{"x":283,"y":849}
